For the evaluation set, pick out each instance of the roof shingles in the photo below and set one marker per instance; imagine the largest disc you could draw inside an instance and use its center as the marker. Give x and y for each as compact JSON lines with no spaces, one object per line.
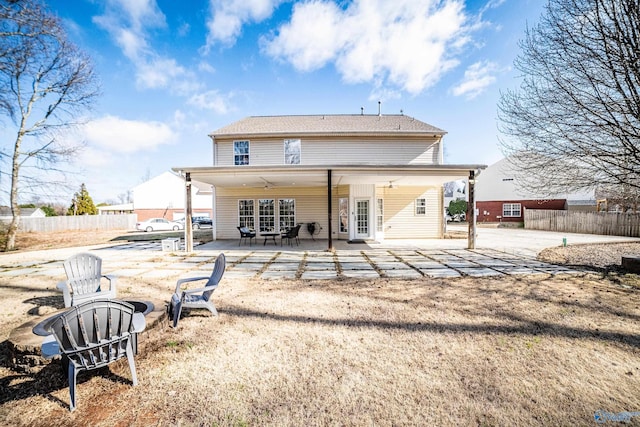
{"x":324,"y":124}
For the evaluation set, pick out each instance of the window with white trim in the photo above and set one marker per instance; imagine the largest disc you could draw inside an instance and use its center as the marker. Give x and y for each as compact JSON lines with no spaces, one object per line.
{"x":511,"y":210}
{"x":245,"y":214}
{"x":292,"y":148}
{"x":240,"y":153}
{"x":286,"y":214}
{"x":267,"y":215}
{"x":343,"y":214}
{"x":379,"y":215}
{"x":421,"y":207}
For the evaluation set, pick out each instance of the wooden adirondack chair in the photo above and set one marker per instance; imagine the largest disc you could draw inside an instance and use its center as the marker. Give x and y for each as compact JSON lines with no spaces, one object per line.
{"x":84,"y":280}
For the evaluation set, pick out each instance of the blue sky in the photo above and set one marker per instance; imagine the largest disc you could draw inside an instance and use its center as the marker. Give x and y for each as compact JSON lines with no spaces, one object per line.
{"x":174,"y":71}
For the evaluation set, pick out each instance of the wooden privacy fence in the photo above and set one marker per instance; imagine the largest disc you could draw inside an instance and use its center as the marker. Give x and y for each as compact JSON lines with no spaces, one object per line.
{"x":608,"y":223}
{"x":80,"y":222}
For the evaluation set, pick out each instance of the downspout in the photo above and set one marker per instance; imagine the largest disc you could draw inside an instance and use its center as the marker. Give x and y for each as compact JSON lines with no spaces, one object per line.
{"x":214,"y":151}
{"x":188,"y":238}
{"x":329,"y":228}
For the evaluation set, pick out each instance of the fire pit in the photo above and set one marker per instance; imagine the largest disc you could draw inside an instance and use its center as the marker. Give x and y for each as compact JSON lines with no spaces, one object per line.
{"x":42,"y":328}
{"x":25,"y":341}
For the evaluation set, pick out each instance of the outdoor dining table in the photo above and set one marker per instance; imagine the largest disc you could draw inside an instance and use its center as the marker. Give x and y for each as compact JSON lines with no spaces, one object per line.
{"x":268,"y":235}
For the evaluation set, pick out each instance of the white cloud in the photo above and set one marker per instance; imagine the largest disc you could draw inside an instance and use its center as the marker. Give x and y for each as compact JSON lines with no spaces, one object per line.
{"x":160,"y":72}
{"x":211,"y":100}
{"x":407,"y":44}
{"x":94,"y":158}
{"x":126,"y":136}
{"x":184,"y":29}
{"x":476,"y":79}
{"x":228,"y":16}
{"x":128,"y":22}
{"x":206,"y":67}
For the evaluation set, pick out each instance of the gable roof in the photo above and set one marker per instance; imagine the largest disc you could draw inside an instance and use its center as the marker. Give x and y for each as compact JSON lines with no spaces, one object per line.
{"x":24,"y":212}
{"x":336,"y":124}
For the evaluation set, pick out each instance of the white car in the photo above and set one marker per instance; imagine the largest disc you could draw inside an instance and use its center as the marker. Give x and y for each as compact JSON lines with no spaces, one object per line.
{"x":159,"y":224}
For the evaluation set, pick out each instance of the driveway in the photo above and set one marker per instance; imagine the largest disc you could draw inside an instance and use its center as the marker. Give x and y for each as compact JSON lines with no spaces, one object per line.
{"x":531,"y":242}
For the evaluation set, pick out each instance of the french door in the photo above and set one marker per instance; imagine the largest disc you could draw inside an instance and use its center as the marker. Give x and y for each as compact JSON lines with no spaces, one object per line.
{"x":362,"y":219}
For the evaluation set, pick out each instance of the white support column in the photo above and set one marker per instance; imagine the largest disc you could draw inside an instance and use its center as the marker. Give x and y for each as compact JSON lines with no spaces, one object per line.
{"x":471,"y":209}
{"x":188,"y":232}
{"x":214,"y":210}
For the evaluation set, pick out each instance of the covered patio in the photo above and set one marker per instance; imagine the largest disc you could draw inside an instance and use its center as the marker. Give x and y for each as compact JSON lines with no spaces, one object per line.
{"x":353,"y":203}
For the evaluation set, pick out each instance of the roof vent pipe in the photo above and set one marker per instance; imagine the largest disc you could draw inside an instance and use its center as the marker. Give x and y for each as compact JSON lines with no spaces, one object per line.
{"x":379,"y":108}
{"x":362,"y":111}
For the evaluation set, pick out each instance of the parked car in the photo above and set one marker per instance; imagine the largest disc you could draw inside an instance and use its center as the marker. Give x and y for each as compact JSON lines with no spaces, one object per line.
{"x":199,"y":222}
{"x":461,"y":217}
{"x":159,"y":224}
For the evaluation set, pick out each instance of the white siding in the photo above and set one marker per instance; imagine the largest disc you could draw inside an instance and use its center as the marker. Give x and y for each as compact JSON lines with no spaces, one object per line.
{"x":499,"y":182}
{"x":399,"y":213}
{"x":167,"y":191}
{"x":400,"y":221}
{"x":270,"y":152}
{"x":311,"y":206}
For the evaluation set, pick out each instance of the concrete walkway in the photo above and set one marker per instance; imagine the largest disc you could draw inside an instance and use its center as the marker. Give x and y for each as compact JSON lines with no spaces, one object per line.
{"x":499,"y":252}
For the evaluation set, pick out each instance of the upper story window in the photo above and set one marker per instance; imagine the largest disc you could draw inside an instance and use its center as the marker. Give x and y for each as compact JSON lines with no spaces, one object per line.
{"x":240,"y":153}
{"x":292,"y":149}
{"x":421,"y":207}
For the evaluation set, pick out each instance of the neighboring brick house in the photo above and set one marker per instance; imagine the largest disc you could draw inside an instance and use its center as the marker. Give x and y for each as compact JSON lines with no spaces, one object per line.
{"x":500,"y":198}
{"x":164,"y":197}
{"x":360,"y":177}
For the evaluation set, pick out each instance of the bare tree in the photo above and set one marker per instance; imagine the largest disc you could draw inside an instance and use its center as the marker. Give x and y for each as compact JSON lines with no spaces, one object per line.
{"x":47,"y":83}
{"x":574,"y":123}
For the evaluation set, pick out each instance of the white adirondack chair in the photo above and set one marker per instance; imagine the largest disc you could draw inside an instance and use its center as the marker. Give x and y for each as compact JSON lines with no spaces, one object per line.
{"x":84,"y":280}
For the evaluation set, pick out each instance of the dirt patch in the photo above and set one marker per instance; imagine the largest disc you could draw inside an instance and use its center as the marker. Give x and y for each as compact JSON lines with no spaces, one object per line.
{"x":599,"y":256}
{"x":520,"y":350}
{"x":32,"y":241}
{"x":509,"y":351}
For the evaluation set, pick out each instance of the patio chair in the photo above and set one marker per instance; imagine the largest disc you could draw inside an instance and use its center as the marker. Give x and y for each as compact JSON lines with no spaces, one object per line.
{"x":291,"y":235}
{"x":198,"y":297}
{"x":246,"y":233}
{"x":94,"y":334}
{"x":84,"y":278}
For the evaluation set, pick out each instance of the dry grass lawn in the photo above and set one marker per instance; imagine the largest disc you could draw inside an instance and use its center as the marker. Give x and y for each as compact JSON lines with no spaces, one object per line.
{"x":494,"y":351}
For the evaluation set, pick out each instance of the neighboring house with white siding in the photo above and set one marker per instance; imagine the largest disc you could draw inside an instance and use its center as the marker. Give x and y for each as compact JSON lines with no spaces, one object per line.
{"x":361,"y":177}
{"x":500,"y":196}
{"x":164,"y":197}
{"x":5,"y":213}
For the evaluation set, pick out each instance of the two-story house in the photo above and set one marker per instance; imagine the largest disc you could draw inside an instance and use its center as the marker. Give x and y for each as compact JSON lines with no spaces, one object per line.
{"x":501,"y":196}
{"x":360,"y":177}
{"x":163,"y":196}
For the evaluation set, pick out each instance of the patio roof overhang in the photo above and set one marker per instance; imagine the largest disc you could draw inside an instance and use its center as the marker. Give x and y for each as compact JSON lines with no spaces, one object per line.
{"x":316,"y":176}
